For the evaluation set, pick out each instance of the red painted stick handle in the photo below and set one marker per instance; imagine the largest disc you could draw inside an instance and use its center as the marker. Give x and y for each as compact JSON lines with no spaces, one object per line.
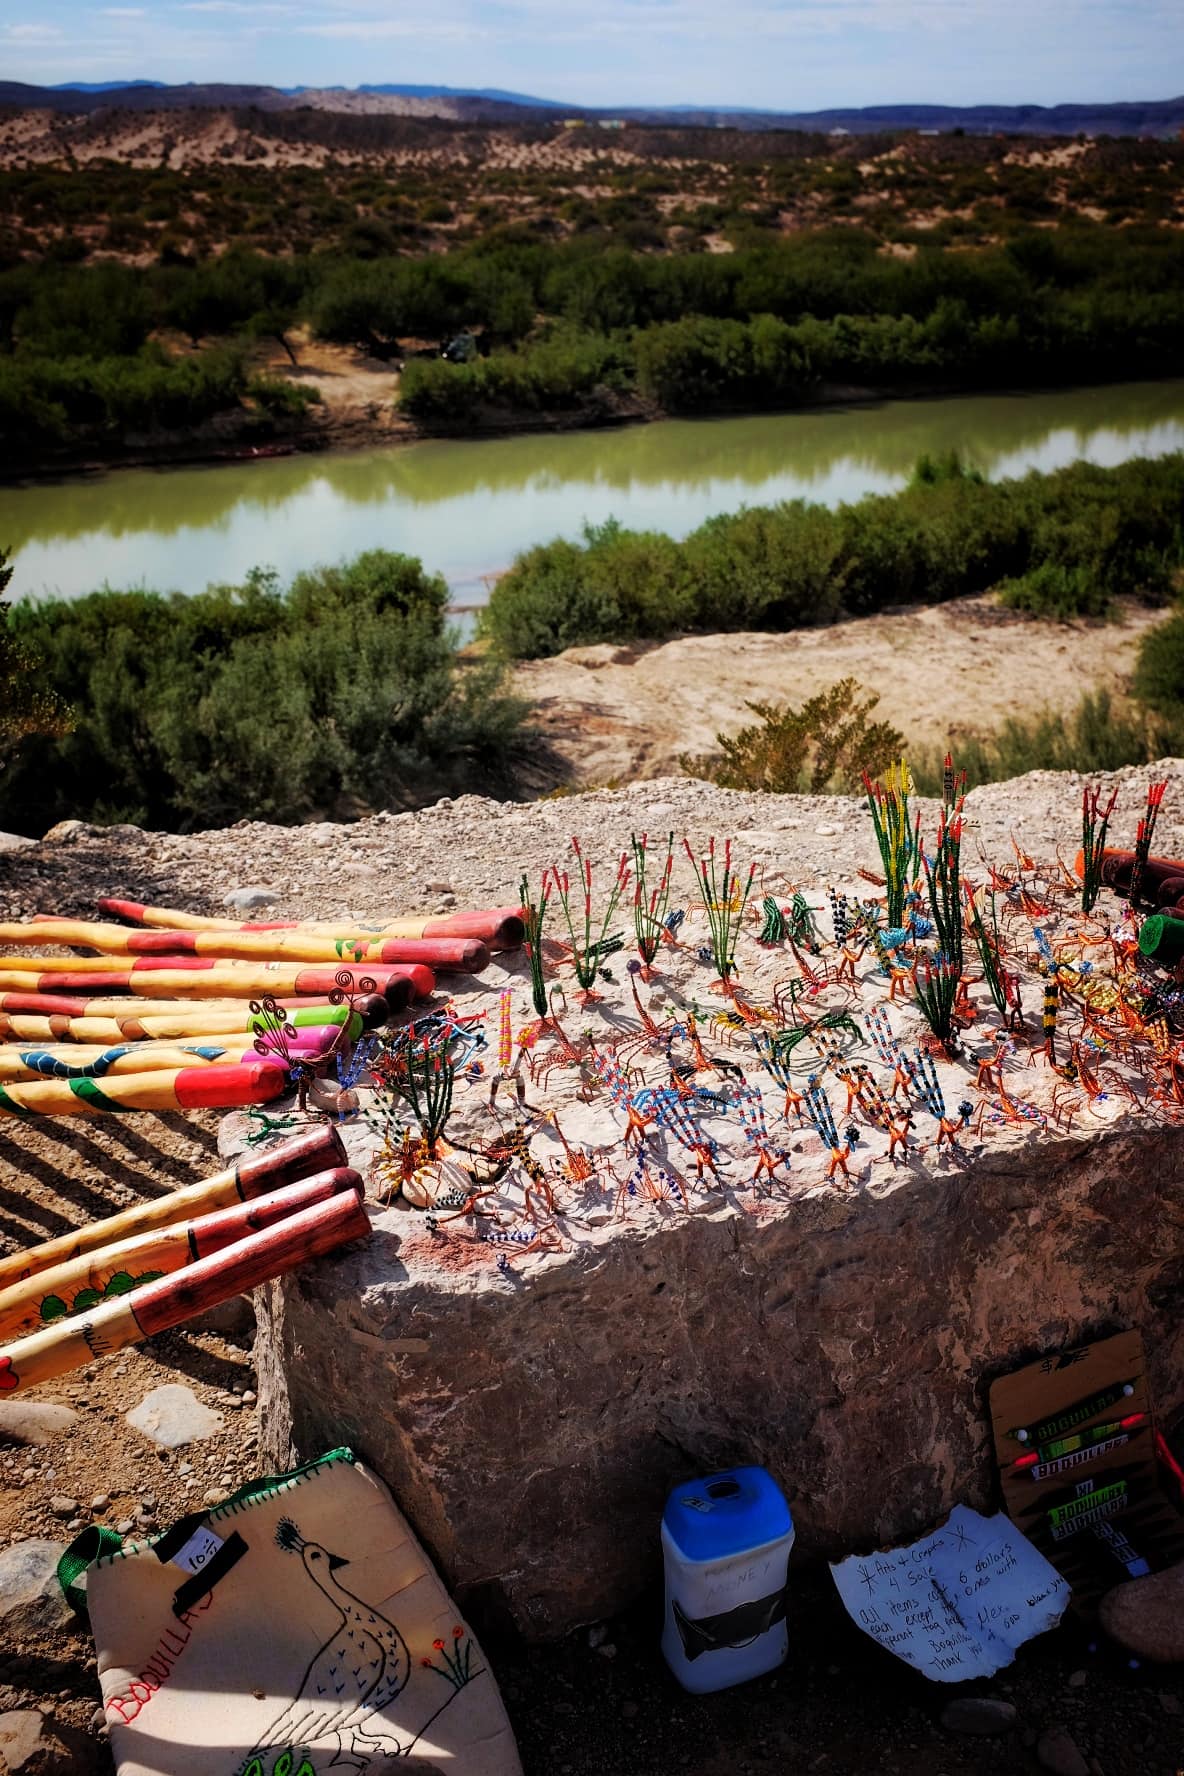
{"x":1117,"y":867}
{"x":250,"y":1262}
{"x":211,"y":1233}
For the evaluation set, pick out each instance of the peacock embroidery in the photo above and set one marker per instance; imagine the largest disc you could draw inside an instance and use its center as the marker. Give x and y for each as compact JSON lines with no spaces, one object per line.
{"x":356,"y":1674}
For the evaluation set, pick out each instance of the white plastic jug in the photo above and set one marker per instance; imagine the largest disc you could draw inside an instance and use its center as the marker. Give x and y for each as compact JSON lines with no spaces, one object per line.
{"x":726,"y":1542}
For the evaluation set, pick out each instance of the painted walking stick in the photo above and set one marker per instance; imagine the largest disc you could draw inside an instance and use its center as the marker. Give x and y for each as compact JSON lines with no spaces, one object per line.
{"x":81,"y":1283}
{"x":302,"y":1156}
{"x":173,"y":1299}
{"x":88,"y":1061}
{"x":466,"y":954}
{"x":57,"y":1017}
{"x":499,"y":927}
{"x":200,"y":977}
{"x":185,"y":1088}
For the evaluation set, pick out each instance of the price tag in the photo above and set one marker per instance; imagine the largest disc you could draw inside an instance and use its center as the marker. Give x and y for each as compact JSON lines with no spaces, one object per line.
{"x":198,"y":1551}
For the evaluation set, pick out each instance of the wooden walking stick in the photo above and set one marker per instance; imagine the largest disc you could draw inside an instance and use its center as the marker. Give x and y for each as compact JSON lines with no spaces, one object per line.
{"x":63,"y":1019}
{"x":501,"y":928}
{"x":79,"y":1284}
{"x":200,"y":977}
{"x":466,"y":954}
{"x":94,"y":1061}
{"x":185,"y":1088}
{"x":173,"y":1299}
{"x":302,"y":1156}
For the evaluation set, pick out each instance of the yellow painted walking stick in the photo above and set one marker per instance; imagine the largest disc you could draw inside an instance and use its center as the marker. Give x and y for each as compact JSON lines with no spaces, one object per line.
{"x":173,"y":1299}
{"x":314,"y":1150}
{"x":230,"y":943}
{"x":40,"y":1017}
{"x":499,"y":927}
{"x":74,"y":1060}
{"x":184,"y":1088}
{"x":80,"y":1284}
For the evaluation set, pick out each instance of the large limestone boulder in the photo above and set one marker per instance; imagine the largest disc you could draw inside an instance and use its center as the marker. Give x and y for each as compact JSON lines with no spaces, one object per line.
{"x":532,"y":1424}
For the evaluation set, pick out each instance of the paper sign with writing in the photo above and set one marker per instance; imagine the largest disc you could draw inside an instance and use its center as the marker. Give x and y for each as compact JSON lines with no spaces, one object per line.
{"x":957,"y":1603}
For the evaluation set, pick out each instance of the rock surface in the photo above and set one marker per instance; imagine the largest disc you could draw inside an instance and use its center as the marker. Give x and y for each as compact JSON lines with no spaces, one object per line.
{"x":985,"y":1716}
{"x":531,"y":1412}
{"x":31,"y":1744}
{"x":33,"y":1421}
{"x":1057,"y":1751}
{"x":172,"y":1416}
{"x":31,"y":1600}
{"x":1146,"y":1616}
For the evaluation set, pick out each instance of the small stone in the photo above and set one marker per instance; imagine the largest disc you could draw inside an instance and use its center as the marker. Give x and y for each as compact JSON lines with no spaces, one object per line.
{"x":185,"y":1467}
{"x":984,"y":1715}
{"x":439,"y":887}
{"x":213,"y":1495}
{"x":1077,"y":1680}
{"x":125,"y":1527}
{"x":75,"y":1524}
{"x":1169,"y":1703}
{"x":99,"y":1502}
{"x":1056,"y":1751}
{"x":607,"y":1651}
{"x":1146,"y":1616}
{"x":249,"y":900}
{"x":173,"y":1416}
{"x":31,"y":1744}
{"x":249,"y":1396}
{"x":232,"y":1400}
{"x":65,"y":832}
{"x":15,"y":841}
{"x":61,"y":1506}
{"x":826,"y":832}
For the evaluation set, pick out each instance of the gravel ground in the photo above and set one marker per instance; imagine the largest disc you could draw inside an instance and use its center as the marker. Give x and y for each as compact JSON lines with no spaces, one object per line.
{"x":840,"y":1705}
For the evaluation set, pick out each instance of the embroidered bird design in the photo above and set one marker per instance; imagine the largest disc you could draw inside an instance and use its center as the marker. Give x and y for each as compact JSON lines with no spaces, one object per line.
{"x":356,"y":1674}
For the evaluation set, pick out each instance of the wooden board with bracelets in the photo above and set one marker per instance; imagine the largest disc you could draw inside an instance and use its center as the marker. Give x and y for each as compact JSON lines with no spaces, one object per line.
{"x":1078,"y":1455}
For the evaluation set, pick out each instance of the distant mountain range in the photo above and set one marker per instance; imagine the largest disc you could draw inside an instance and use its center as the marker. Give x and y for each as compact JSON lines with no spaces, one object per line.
{"x":1162,"y":117}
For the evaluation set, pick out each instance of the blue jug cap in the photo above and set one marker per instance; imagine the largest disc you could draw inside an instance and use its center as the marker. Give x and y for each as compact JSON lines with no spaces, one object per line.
{"x":725,"y":1514}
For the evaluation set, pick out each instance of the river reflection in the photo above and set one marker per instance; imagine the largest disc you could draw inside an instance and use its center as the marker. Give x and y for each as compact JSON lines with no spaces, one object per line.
{"x":467,"y":508}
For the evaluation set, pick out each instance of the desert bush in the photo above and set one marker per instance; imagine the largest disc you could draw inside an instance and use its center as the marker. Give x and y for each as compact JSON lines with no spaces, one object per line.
{"x":342,"y":692}
{"x":1159,"y":671}
{"x":826,"y":744}
{"x":1095,"y":736}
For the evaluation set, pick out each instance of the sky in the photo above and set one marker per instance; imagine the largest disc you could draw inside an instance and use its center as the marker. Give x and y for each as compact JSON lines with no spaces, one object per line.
{"x":793,"y":55}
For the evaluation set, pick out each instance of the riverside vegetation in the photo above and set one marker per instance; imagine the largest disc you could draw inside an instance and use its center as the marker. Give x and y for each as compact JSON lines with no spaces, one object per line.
{"x":346,"y":692}
{"x":584,"y":306}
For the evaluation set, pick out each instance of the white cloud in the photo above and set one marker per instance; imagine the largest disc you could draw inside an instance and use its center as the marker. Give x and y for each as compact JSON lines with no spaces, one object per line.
{"x":123,"y":12}
{"x":31,"y":33}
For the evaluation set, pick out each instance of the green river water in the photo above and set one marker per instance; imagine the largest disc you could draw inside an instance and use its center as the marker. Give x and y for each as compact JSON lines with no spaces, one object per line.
{"x":467,"y":508}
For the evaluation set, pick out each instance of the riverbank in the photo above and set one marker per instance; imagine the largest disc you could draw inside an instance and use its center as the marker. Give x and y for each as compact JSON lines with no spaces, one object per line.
{"x":943,"y":672}
{"x":356,"y":408}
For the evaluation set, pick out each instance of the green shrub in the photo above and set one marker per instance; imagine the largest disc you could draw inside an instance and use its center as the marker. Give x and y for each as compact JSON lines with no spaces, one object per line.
{"x":829,"y":743}
{"x":1074,"y":540}
{"x":1159,"y":670}
{"x":343,"y":692}
{"x":1094,"y":737}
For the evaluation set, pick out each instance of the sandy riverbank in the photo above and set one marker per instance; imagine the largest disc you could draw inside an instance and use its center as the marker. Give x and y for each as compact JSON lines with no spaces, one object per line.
{"x":943,"y":672}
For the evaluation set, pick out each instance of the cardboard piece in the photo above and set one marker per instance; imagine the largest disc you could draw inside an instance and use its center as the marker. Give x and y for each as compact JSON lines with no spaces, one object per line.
{"x":1092,"y":1500}
{"x":956,"y":1604}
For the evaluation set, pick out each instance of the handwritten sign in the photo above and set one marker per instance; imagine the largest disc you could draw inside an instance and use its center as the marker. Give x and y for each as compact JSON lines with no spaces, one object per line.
{"x":960,"y":1601}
